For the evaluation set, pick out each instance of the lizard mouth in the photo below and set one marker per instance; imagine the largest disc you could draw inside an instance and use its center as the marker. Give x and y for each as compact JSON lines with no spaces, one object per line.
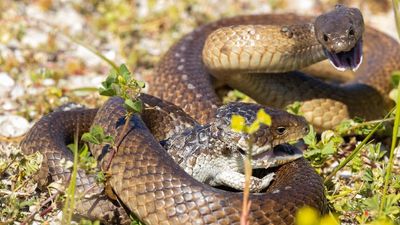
{"x":278,"y":155}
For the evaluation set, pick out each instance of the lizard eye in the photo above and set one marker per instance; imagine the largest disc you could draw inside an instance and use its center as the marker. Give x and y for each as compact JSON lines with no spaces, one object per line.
{"x":281,"y":130}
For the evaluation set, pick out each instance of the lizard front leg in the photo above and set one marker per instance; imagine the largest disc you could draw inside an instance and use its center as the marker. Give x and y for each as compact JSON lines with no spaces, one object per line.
{"x":237,"y":180}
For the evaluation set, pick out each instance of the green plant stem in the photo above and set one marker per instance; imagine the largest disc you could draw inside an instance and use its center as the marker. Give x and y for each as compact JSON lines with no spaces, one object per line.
{"x":357,"y":149}
{"x":396,"y":9}
{"x":391,"y":155}
{"x":389,"y":168}
{"x":372,"y":122}
{"x":76,"y":41}
{"x":29,"y":219}
{"x":94,"y":51}
{"x":69,"y":204}
{"x":244,"y":218}
{"x":126,"y":125}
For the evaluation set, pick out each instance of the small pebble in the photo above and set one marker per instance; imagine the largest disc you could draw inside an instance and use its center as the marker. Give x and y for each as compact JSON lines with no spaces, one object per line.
{"x":8,"y":105}
{"x":34,"y":38}
{"x":6,"y":84}
{"x":334,"y":164}
{"x":397,"y":151}
{"x":346,"y":174}
{"x":17,"y":91}
{"x":48,"y":82}
{"x":13,"y":126}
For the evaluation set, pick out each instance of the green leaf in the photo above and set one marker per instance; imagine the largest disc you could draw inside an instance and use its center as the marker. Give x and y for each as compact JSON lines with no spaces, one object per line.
{"x":395,"y":78}
{"x":294,"y":108}
{"x":97,"y":131}
{"x":133,"y":106}
{"x":116,"y":88}
{"x":123,"y":70}
{"x":328,"y":149}
{"x":84,"y":151}
{"x":108,"y":139}
{"x":391,"y":204}
{"x":100,"y":177}
{"x":312,"y":153}
{"x":372,"y":203}
{"x":95,"y":135}
{"x":121,"y":80}
{"x":311,"y":138}
{"x":141,"y":84}
{"x":238,"y":123}
{"x":107,"y":91}
{"x":71,"y":146}
{"x":88,"y":137}
{"x":238,"y":94}
{"x":111,"y":78}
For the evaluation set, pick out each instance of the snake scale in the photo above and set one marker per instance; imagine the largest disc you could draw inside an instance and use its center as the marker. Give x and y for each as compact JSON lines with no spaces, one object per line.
{"x":154,"y":188}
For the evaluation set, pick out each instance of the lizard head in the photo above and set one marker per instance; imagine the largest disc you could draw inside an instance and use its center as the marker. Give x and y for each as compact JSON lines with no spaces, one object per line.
{"x":268,"y":145}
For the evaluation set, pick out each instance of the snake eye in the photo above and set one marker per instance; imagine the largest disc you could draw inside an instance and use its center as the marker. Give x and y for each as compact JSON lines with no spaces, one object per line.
{"x":281,"y":130}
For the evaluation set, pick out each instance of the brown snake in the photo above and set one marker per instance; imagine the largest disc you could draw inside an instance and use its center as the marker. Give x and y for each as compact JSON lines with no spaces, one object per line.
{"x":152,"y":186}
{"x":323,"y":104}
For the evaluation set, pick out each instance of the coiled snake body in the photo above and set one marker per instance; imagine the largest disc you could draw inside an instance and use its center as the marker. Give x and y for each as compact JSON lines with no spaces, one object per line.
{"x":152,"y":186}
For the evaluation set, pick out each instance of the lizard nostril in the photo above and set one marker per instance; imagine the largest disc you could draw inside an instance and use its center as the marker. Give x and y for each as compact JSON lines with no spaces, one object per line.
{"x":306,"y":130}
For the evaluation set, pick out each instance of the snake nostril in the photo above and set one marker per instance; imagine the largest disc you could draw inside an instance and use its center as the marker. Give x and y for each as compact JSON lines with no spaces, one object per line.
{"x":351,"y":32}
{"x":325,"y":37}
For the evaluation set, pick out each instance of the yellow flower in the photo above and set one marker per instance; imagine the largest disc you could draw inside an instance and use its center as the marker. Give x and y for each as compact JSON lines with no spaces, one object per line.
{"x":310,"y":216}
{"x":307,"y":216}
{"x":238,"y":123}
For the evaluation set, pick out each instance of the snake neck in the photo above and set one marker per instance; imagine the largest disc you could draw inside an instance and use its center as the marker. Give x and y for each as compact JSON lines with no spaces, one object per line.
{"x":261,"y":49}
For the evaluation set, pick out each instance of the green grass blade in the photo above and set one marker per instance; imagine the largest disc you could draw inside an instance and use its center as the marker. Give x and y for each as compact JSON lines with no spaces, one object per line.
{"x":389,"y":167}
{"x":81,"y":43}
{"x":396,"y":9}
{"x":94,"y":51}
{"x":357,"y":149}
{"x":69,"y":204}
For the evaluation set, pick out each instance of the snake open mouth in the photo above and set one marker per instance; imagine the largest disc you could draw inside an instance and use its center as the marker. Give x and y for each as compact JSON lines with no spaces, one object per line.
{"x":346,"y":60}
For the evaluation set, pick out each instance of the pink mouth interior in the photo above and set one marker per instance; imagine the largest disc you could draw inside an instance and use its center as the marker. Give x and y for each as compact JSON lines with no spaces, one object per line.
{"x":281,"y":151}
{"x":346,"y":60}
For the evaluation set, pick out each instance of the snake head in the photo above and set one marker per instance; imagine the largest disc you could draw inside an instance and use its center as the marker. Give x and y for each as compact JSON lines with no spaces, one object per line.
{"x":340,"y":34}
{"x":284,"y":128}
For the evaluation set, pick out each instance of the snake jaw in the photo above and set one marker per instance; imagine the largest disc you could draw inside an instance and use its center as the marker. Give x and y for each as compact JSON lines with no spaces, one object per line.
{"x":351,"y":59}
